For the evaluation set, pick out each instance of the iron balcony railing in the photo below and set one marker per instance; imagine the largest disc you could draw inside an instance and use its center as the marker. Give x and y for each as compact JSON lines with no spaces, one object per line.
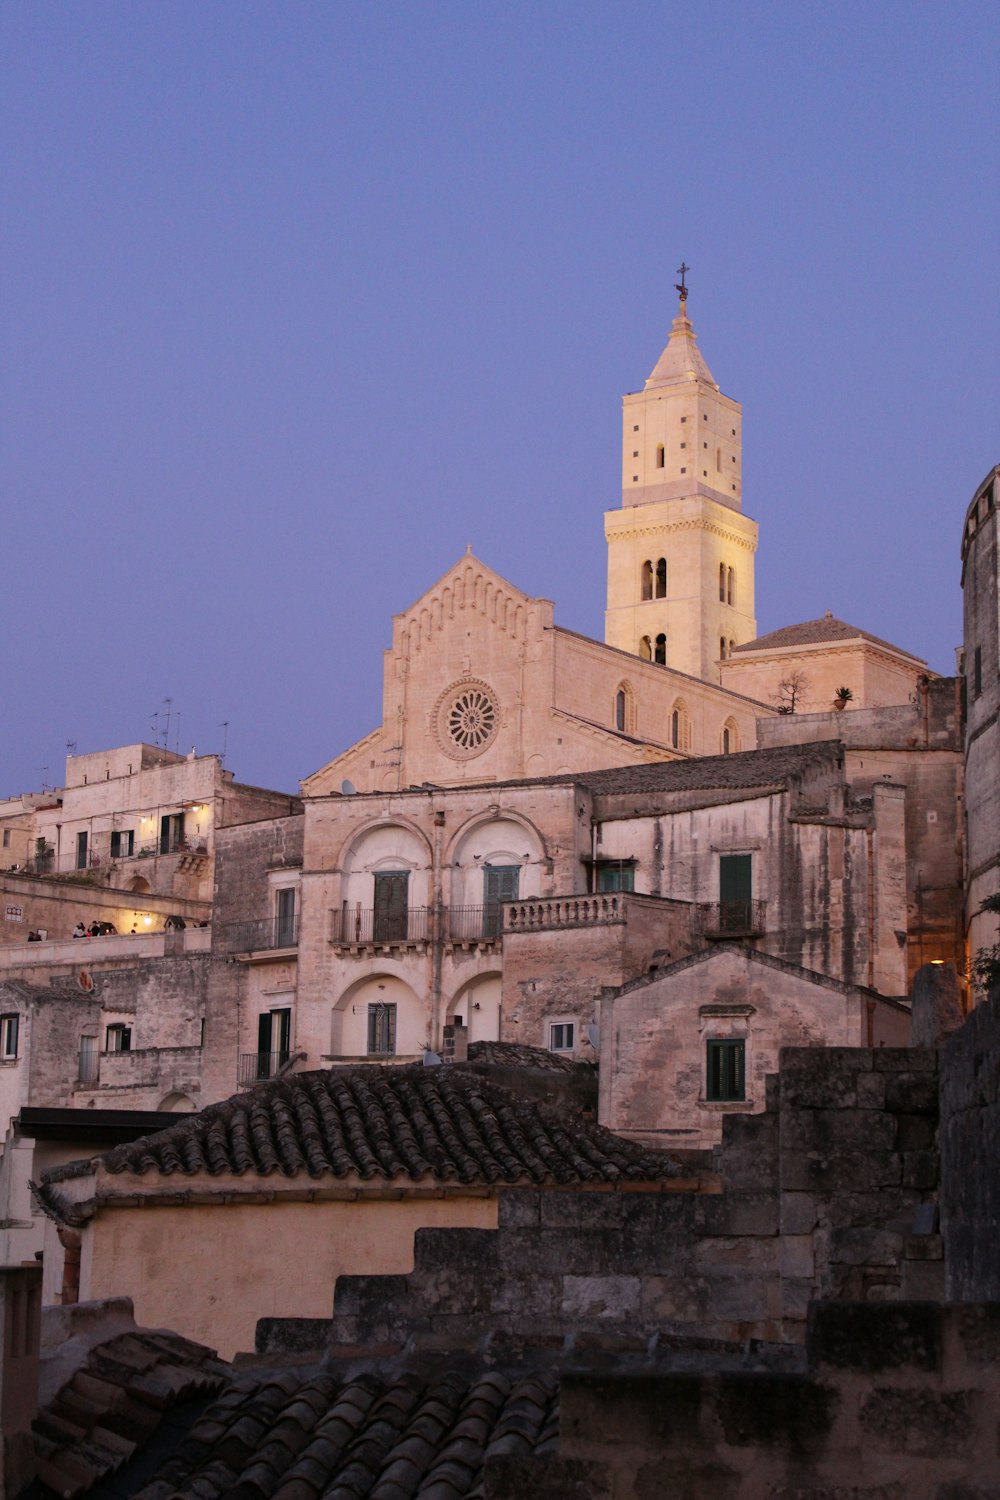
{"x":264,"y":933}
{"x":722,"y":919}
{"x":475,"y":924}
{"x":254,"y":1067}
{"x":356,"y":926}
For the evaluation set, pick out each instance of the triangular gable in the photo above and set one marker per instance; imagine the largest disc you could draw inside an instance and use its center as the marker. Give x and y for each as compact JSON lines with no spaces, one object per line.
{"x":469,"y":585}
{"x":764,"y":960}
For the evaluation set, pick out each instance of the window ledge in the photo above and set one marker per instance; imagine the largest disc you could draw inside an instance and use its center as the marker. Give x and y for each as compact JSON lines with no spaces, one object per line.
{"x":726,"y":1106}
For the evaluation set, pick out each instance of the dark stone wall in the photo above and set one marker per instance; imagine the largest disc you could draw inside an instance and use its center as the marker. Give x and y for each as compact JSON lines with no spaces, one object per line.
{"x":970,"y":1156}
{"x":830,"y":1193}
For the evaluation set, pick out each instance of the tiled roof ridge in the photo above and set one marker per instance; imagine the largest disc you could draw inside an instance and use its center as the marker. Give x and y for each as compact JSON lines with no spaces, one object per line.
{"x":114,"y":1403}
{"x":451,"y":1124}
{"x":366,"y":1435}
{"x":817,"y":632}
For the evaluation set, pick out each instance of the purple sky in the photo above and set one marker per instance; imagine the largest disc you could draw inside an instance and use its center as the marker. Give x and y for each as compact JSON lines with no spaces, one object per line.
{"x":300,"y":299}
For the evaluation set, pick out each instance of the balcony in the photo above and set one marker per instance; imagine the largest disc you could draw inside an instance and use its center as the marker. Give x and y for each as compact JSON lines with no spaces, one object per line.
{"x":474,"y":924}
{"x":542,"y":915}
{"x":255,"y":1067}
{"x":356,"y":927}
{"x":718,"y":921}
{"x":263,"y":935}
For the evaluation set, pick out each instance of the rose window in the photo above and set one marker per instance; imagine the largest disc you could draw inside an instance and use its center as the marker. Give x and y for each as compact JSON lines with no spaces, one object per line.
{"x":468,"y":719}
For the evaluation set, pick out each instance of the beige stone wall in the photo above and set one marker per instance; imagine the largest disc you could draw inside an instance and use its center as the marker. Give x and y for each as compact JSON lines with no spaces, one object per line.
{"x":549,"y":694}
{"x":56,"y":906}
{"x":210,"y":1271}
{"x":696,"y":536}
{"x":569,"y":950}
{"x":876,"y":677}
{"x":915,"y":746}
{"x":655,"y":1037}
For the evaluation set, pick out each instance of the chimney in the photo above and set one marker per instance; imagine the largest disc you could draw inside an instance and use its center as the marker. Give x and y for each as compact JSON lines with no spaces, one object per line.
{"x":455,"y":1042}
{"x":20,"y":1338}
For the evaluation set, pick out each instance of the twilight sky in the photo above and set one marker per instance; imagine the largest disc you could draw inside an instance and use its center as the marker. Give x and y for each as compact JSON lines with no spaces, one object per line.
{"x":301,"y":298}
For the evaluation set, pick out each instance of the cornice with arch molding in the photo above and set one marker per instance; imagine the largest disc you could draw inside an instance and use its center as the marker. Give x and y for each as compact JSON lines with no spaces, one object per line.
{"x":384,"y":820}
{"x":710,"y":526}
{"x":469,"y":588}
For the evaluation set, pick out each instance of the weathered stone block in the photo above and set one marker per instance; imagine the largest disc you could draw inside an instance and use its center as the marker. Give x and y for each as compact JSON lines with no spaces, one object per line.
{"x":920,"y":1170}
{"x":796,"y":1256}
{"x":904,"y":1060}
{"x":735,"y":1213}
{"x":914,"y":1093}
{"x":822,"y":1079}
{"x":674,"y":1299}
{"x":775,"y":1411}
{"x":922,"y":1281}
{"x":915,"y":1133}
{"x":865,"y":1247}
{"x":852,"y":1335}
{"x":610,"y":1299}
{"x":979,"y":1332}
{"x":923,"y":1247}
{"x":581,"y":1210}
{"x":518,"y":1208}
{"x":798,"y":1213}
{"x":738,"y":1256}
{"x":920,"y":1422}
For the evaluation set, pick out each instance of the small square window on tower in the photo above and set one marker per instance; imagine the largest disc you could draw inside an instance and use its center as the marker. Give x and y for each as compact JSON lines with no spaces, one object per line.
{"x":635,"y":429}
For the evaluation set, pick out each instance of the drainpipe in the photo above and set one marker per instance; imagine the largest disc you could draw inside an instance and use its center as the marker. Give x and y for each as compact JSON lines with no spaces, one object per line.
{"x":437,"y":932}
{"x":593,"y":855}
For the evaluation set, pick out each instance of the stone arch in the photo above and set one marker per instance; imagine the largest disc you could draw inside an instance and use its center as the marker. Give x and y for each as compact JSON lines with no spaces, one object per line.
{"x":385,"y":844}
{"x":478,"y":1004}
{"x":139,"y":885}
{"x":730,"y":738}
{"x":398,"y":1028}
{"x":178,"y":1104}
{"x":501,"y":839}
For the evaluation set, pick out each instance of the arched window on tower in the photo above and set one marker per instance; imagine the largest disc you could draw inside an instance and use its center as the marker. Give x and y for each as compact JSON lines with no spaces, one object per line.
{"x":730,"y":737}
{"x":722,"y":583}
{"x":661,"y":578}
{"x":620,"y":710}
{"x":722,"y":648}
{"x":659,"y":456}
{"x":660,"y":653}
{"x":647,"y":580}
{"x":732,"y":648}
{"x":731,"y":586}
{"x":646,"y":649}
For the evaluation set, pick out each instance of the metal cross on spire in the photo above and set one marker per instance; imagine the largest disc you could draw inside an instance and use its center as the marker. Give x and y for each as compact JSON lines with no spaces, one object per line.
{"x":680,"y":286}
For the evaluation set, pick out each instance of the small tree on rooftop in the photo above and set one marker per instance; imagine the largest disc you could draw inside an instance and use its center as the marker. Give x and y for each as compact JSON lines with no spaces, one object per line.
{"x":791,"y":690}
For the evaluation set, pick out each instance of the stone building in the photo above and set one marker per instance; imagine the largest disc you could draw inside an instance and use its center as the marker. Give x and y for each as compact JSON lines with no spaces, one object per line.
{"x":980,"y":583}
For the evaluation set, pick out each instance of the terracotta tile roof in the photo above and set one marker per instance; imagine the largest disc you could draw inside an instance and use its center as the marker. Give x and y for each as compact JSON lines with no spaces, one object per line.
{"x":115,"y":1403}
{"x":742,"y":771}
{"x":514,"y":1055}
{"x":393,"y":1437}
{"x":449,"y":1124}
{"x":817,"y":633}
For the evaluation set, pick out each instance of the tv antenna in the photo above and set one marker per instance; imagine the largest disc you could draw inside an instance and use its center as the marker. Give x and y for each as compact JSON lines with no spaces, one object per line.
{"x":224,"y":726}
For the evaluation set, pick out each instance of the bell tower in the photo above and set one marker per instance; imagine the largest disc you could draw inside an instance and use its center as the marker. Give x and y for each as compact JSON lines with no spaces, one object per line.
{"x":680,"y":549}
